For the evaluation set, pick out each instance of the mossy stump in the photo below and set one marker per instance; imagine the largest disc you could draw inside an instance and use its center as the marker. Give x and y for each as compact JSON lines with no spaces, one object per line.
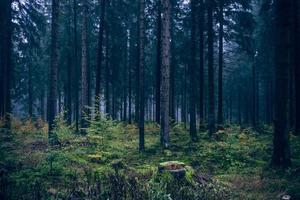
{"x":118,"y":164}
{"x":176,"y":168}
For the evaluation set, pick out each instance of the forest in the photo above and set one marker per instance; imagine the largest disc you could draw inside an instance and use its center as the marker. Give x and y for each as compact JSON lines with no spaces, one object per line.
{"x":149,"y":99}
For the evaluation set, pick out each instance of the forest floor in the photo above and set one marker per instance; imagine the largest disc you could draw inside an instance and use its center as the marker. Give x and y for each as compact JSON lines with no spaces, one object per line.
{"x":235,"y":158}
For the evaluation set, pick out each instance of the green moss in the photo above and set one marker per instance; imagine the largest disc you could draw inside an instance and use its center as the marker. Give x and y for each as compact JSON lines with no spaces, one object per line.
{"x":235,"y":159}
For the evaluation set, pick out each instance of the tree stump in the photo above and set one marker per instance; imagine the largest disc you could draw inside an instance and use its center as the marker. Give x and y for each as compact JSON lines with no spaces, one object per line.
{"x":176,"y":168}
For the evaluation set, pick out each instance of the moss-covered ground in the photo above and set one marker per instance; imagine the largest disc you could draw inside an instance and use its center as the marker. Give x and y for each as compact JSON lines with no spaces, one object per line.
{"x":235,"y":160}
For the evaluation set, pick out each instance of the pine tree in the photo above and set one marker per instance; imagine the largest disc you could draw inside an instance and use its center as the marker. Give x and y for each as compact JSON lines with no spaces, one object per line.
{"x":281,"y":150}
{"x":165,"y":72}
{"x":52,"y":98}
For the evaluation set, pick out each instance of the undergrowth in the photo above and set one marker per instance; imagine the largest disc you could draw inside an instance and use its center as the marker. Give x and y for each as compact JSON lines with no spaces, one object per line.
{"x":231,"y":165}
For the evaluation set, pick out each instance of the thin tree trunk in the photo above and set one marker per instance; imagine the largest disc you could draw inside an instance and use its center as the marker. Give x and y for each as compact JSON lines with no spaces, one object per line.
{"x":239,"y":107}
{"x":84,"y":69}
{"x":126,"y":75}
{"x":68,"y":94}
{"x":254,"y":93}
{"x":100,"y":54}
{"x":220,"y":78}
{"x":158,"y":63}
{"x":59,"y":100}
{"x":76,"y":108}
{"x":184,"y":107}
{"x":107,"y":74}
{"x":5,"y":60}
{"x":281,"y":149}
{"x":141,"y":74}
{"x":297,"y":65}
{"x":165,"y":72}
{"x":211,"y":96}
{"x":42,"y":103}
{"x":201,"y":64}
{"x":291,"y":95}
{"x":130,"y":77}
{"x":53,"y":70}
{"x":193,"y":130}
{"x":30,"y":91}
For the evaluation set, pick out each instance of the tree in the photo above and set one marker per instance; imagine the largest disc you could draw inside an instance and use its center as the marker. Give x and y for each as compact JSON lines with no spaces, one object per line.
{"x":281,"y":149}
{"x":165,"y":72}
{"x":220,"y":77}
{"x":30,"y":91}
{"x":5,"y":60}
{"x":53,"y":71}
{"x":68,"y":91}
{"x":201,"y":62}
{"x":84,"y":68}
{"x":158,"y":63}
{"x":100,"y":49}
{"x":210,"y":55}
{"x":192,"y":69}
{"x":296,"y":7}
{"x":141,"y":75}
{"x":76,"y":65}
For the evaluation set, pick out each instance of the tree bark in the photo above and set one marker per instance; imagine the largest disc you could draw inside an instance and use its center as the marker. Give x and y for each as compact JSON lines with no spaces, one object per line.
{"x":100,"y":54}
{"x":192,"y":70}
{"x":165,"y":72}
{"x":141,"y":74}
{"x":158,"y":64}
{"x":297,"y":65}
{"x":254,"y":93}
{"x":130,"y":76}
{"x":201,"y":63}
{"x":221,"y":61}
{"x":107,"y":73}
{"x":30,"y":91}
{"x":52,"y":99}
{"x":281,"y":149}
{"x":68,"y":103}
{"x":211,"y":95}
{"x":84,"y":69}
{"x":5,"y":60}
{"x":76,"y":65}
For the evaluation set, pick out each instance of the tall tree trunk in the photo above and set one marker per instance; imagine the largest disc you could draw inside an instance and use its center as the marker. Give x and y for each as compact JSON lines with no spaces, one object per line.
{"x":5,"y":60}
{"x":53,"y":71}
{"x":165,"y":72}
{"x":297,"y":65}
{"x":184,"y":106}
{"x":84,"y":69}
{"x":254,"y":93}
{"x":281,"y":149}
{"x":68,"y":103}
{"x":107,"y":73}
{"x":192,"y":70}
{"x":130,"y":76}
{"x":221,"y":61}
{"x":172,"y":66}
{"x":59,"y":100}
{"x":201,"y":63}
{"x":158,"y":64}
{"x":42,"y":103}
{"x":126,"y":72}
{"x":76,"y":65}
{"x":30,"y":91}
{"x":211,"y":95}
{"x":239,"y":106}
{"x":141,"y":74}
{"x":100,"y":54}
{"x":291,"y":94}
